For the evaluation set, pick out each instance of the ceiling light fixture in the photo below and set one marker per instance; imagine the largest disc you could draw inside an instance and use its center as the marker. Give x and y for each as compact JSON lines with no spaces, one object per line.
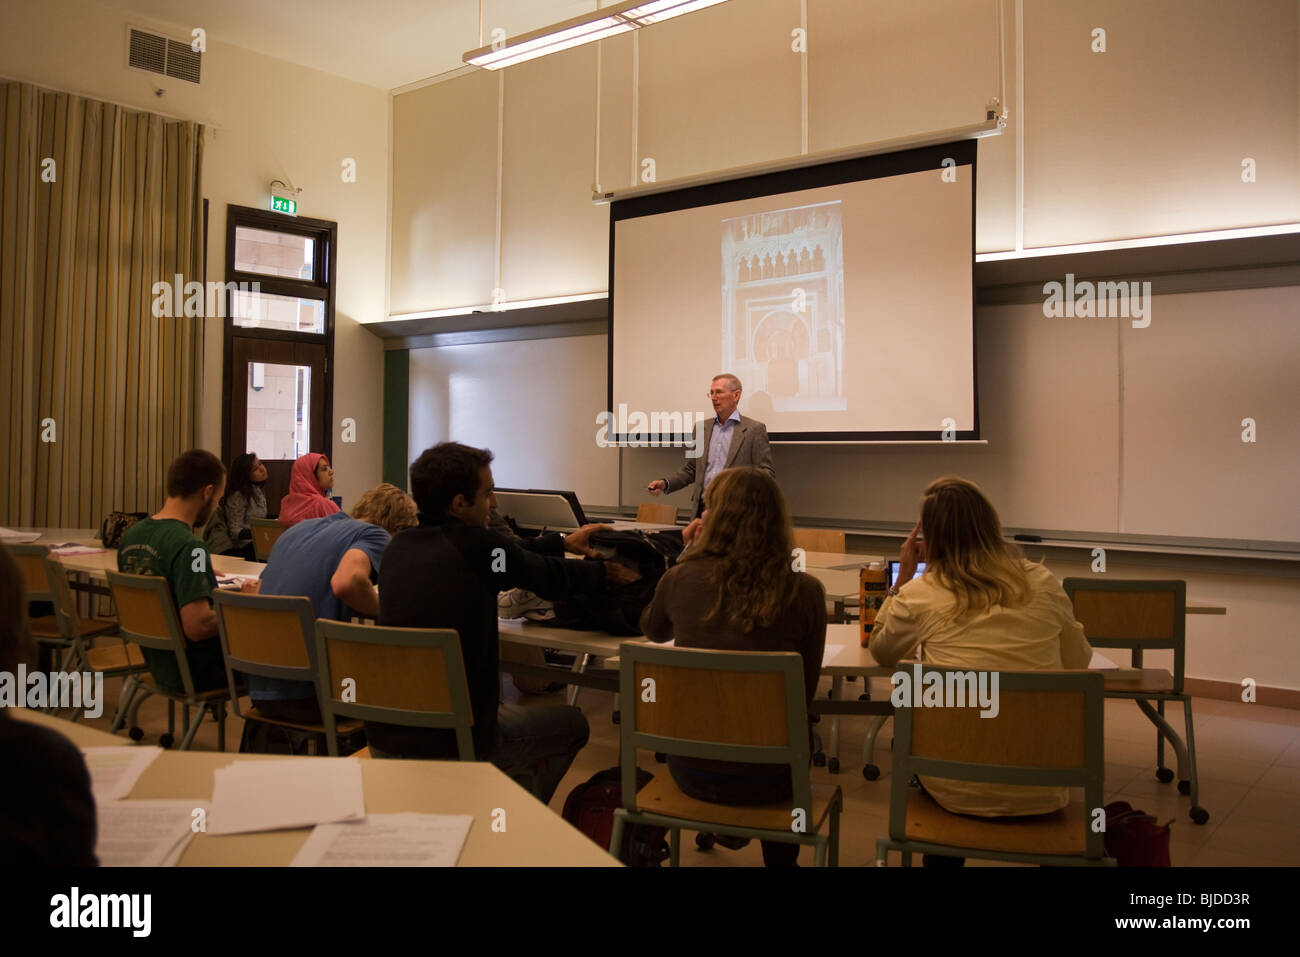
{"x":597,"y":25}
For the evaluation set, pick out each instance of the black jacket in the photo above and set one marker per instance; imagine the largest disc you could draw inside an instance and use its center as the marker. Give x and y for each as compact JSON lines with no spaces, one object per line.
{"x":47,"y":813}
{"x":446,"y":574}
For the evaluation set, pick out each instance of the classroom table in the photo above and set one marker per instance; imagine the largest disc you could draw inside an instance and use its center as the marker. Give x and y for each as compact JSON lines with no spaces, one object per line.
{"x":81,"y":735}
{"x":533,"y":834}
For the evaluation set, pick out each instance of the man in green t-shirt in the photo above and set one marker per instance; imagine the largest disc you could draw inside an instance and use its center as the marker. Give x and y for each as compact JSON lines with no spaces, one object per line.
{"x":166,"y":545}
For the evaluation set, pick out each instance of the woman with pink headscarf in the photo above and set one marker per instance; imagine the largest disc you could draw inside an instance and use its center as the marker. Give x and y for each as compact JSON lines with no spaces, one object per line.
{"x":311,"y":478}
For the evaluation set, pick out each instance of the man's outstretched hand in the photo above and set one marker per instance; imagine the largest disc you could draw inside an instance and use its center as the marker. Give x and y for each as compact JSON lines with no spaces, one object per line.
{"x":578,"y":542}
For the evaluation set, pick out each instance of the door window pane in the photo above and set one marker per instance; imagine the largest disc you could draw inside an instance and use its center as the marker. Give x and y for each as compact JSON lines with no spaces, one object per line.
{"x":260,"y":310}
{"x":279,"y":411}
{"x":274,"y":253}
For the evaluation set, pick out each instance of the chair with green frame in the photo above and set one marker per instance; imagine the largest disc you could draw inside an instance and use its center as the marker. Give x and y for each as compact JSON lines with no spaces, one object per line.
{"x":265,"y":532}
{"x":114,"y":658}
{"x":406,"y":676}
{"x":149,"y":618}
{"x":273,"y":636}
{"x":1145,"y":616}
{"x":53,"y":631}
{"x":1047,"y":732}
{"x":744,"y":706}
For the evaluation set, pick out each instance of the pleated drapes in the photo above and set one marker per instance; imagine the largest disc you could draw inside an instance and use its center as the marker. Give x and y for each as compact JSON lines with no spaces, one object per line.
{"x":83,"y":240}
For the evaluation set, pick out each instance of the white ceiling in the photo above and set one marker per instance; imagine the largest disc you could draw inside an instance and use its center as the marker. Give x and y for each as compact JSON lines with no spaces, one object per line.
{"x":383,"y":43}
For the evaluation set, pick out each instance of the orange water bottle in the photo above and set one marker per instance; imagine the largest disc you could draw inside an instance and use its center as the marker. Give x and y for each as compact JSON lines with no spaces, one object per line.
{"x":872,"y":585}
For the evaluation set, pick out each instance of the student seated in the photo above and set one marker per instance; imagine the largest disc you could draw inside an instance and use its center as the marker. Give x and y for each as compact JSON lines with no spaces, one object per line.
{"x":229,"y":532}
{"x":165,"y":544}
{"x":47,"y":813}
{"x":734,"y":589}
{"x":310,"y":482}
{"x":979,"y":605}
{"x":446,"y":573}
{"x":333,"y":561}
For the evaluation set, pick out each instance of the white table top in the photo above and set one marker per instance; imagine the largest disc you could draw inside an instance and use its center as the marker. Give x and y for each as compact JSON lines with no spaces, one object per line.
{"x":97,"y":563}
{"x":534,"y":835}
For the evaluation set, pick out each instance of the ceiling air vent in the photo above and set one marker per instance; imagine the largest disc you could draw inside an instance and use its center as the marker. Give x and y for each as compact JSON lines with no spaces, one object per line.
{"x":160,"y":54}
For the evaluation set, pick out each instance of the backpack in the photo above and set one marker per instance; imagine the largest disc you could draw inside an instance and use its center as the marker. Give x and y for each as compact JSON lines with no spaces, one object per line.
{"x":590,"y":808}
{"x":617,"y":609}
{"x":116,"y":525}
{"x":1134,"y":838}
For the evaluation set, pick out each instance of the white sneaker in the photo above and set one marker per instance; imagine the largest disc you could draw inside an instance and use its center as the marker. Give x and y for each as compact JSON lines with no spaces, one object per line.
{"x":516,"y":602}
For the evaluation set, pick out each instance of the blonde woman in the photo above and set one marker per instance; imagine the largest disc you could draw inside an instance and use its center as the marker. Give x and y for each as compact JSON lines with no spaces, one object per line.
{"x":734,"y":590}
{"x":979,"y":605}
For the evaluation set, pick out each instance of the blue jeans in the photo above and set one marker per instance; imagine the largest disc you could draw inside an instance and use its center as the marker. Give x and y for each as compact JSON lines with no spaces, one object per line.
{"x":539,"y":743}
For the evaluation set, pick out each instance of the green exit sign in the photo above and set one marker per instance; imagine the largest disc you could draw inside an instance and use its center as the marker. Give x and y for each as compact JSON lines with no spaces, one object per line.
{"x":282,"y":205}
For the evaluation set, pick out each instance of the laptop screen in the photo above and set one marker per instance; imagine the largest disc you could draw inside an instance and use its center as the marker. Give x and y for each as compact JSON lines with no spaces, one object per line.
{"x":893,"y":572}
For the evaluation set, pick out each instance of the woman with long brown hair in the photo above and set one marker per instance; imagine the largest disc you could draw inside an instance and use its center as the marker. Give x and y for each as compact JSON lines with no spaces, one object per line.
{"x":980,"y":605}
{"x":735,"y":589}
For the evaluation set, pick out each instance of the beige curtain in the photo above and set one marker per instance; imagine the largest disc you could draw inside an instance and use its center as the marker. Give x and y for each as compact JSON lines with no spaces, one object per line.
{"x":97,"y":204}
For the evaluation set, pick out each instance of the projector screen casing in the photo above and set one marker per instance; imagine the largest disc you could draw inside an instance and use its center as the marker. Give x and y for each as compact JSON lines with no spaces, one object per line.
{"x":927,"y":160}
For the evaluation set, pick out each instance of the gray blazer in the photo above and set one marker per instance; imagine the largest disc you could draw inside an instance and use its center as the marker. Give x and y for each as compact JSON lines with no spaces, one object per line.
{"x":749,"y":446}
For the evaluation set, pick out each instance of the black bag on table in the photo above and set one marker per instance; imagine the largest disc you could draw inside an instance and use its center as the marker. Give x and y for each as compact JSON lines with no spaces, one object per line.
{"x":116,"y":525}
{"x":617,"y":609}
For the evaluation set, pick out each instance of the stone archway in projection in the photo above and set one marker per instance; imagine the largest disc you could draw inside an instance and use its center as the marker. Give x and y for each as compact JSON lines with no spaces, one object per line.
{"x":780,"y":351}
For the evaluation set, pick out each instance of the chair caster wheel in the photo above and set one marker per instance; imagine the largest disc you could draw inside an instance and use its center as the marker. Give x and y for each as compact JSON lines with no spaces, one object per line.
{"x":705,"y":842}
{"x":1199,"y":815}
{"x":661,"y":757}
{"x":615,"y":717}
{"x":830,"y":695}
{"x":135,"y":734}
{"x":833,"y":765}
{"x":1164,"y":775}
{"x":871,"y":772}
{"x":165,"y":741}
{"x":865,"y":696}
{"x":819,"y":759}
{"x":1184,"y":787}
{"x":814,"y":719}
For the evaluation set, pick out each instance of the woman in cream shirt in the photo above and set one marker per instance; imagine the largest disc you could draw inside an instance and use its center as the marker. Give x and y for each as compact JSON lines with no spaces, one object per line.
{"x":978,"y":606}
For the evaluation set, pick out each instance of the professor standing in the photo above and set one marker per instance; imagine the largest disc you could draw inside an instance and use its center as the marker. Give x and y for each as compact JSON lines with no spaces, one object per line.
{"x":731,"y":440}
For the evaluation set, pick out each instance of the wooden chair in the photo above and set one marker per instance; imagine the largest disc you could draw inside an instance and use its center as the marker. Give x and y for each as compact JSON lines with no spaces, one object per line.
{"x":49,"y":630}
{"x":116,"y":659}
{"x":657,"y":513}
{"x":726,"y":706}
{"x":149,"y":618}
{"x":272,"y":636}
{"x":265,"y":533}
{"x":819,"y":540}
{"x":407,"y":676}
{"x":1047,"y":732}
{"x":1142,"y":615}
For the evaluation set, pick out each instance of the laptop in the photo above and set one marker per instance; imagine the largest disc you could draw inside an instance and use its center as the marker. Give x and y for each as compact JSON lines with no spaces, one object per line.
{"x":893,"y":572}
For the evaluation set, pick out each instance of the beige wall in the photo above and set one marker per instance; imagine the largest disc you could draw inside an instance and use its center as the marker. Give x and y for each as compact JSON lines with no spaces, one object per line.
{"x":1144,"y":139}
{"x":271,"y":120}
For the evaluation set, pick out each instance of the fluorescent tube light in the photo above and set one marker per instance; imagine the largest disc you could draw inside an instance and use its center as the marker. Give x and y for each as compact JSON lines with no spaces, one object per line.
{"x":1245,"y":232}
{"x":597,"y":25}
{"x":503,"y":307}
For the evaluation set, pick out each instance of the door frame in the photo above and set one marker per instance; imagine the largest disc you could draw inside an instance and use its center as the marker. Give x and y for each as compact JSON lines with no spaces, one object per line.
{"x":320,"y":287}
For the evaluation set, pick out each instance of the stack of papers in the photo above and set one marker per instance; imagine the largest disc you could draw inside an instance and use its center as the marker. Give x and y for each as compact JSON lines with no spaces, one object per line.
{"x":145,"y":833}
{"x":72,"y":548}
{"x":388,"y":840}
{"x":250,"y":796}
{"x":114,"y":770}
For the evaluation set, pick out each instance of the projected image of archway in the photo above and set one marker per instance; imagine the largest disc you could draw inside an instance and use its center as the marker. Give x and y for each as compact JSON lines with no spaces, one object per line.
{"x":783,"y":308}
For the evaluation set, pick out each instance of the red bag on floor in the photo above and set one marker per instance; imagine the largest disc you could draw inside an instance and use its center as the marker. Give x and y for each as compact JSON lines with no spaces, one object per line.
{"x":1134,"y":838}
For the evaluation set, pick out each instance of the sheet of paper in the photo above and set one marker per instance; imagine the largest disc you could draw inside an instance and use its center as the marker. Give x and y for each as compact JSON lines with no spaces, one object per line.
{"x":114,"y":770}
{"x":1101,"y":663}
{"x":18,"y":538}
{"x":271,"y":795}
{"x":74,"y":549}
{"x":388,"y":840}
{"x":143,"y":833}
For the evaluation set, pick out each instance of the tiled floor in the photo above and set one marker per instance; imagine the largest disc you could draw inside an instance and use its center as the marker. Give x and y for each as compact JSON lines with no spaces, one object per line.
{"x":1249,"y":757}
